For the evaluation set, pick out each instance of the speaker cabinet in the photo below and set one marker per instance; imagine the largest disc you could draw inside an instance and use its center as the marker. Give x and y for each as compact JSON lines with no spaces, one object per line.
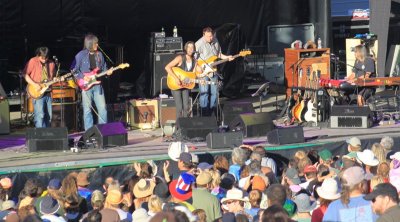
{"x":288,"y":135}
{"x":191,"y":127}
{"x":67,"y":112}
{"x":231,"y":110}
{"x":252,"y":124}
{"x":4,"y":117}
{"x":143,"y":114}
{"x":160,"y":60}
{"x":351,"y":117}
{"x":47,"y":139}
{"x":108,"y":134}
{"x":217,"y":140}
{"x":167,"y":109}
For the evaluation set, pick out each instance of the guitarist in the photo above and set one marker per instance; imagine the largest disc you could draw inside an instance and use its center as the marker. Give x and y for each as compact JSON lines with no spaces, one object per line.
{"x":87,"y":60}
{"x":39,"y":69}
{"x":364,"y":67}
{"x":208,"y":46}
{"x":187,"y":62}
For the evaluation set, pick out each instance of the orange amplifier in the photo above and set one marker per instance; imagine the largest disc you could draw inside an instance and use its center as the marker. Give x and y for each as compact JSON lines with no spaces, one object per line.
{"x":143,"y":114}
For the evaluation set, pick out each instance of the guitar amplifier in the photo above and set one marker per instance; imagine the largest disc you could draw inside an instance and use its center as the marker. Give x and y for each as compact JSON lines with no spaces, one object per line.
{"x":351,"y":117}
{"x":143,"y":114}
{"x":167,"y":110}
{"x":168,"y":44}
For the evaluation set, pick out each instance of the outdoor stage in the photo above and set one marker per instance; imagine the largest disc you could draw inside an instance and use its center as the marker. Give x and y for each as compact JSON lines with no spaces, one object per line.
{"x":146,"y":145}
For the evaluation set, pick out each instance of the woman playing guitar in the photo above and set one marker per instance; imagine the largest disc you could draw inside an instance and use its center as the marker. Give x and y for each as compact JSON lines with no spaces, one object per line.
{"x":187,"y":63}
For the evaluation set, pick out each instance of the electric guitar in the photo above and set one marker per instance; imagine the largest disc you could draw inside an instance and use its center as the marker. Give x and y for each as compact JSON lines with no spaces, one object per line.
{"x":209,"y":65}
{"x":188,"y":80}
{"x":93,"y":75}
{"x":311,"y":114}
{"x":38,"y":93}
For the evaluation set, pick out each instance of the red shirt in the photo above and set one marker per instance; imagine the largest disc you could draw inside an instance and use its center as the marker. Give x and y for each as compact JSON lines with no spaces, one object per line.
{"x":34,"y":69}
{"x":318,"y":214}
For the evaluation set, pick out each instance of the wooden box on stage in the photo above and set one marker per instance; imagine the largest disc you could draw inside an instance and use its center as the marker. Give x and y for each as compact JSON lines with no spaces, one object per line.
{"x":300,"y":65}
{"x":143,"y":114}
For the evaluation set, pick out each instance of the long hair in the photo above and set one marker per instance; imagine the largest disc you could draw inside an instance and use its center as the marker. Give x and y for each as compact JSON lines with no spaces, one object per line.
{"x":90,"y":41}
{"x":185,"y":47}
{"x":347,"y":190}
{"x":362,"y":50}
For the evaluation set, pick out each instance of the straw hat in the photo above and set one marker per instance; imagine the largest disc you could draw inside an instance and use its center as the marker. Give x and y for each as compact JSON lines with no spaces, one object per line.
{"x":143,"y":188}
{"x":234,"y":194}
{"x":114,"y":197}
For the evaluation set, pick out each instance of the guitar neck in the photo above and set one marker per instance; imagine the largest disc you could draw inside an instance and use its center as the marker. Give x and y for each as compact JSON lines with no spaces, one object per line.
{"x":222,"y":61}
{"x":105,"y":72}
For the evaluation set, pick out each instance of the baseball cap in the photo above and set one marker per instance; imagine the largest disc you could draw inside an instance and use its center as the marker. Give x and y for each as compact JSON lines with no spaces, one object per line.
{"x":354,"y":141}
{"x":353,"y":175}
{"x":54,"y":184}
{"x":204,"y":166}
{"x":325,"y":154}
{"x":185,"y":157}
{"x":310,"y":169}
{"x":293,"y":175}
{"x":383,"y":189}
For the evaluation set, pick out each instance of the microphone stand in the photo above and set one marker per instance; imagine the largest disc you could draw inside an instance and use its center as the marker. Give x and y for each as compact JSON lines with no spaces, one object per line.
{"x":108,"y":78}
{"x":62,"y":120}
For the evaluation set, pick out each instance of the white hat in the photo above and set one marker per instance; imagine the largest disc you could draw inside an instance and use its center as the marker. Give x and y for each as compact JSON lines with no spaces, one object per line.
{"x":140,"y":215}
{"x":329,"y":189}
{"x":395,"y":156}
{"x":367,"y":157}
{"x":354,"y":141}
{"x":234,"y":194}
{"x":175,"y":149}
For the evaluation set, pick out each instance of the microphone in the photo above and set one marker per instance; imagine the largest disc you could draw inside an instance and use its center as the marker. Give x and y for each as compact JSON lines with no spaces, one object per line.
{"x":55,"y":59}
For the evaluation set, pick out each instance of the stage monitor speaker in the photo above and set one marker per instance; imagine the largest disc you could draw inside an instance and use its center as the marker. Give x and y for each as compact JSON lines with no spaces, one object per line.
{"x":47,"y":139}
{"x":143,"y":114}
{"x":288,"y":135}
{"x":70,"y":111}
{"x":217,"y":140}
{"x":4,"y":117}
{"x":192,"y":127}
{"x":160,"y":60}
{"x":105,"y":135}
{"x":252,"y":124}
{"x":231,"y":110}
{"x":351,"y":117}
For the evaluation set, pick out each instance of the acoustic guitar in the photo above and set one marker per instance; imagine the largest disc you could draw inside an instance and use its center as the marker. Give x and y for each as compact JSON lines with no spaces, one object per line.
{"x":209,"y":65}
{"x":93,"y":75}
{"x":188,"y":80}
{"x":38,"y":93}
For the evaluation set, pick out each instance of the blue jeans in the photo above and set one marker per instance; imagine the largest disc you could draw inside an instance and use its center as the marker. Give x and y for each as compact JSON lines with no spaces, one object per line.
{"x":207,"y":89}
{"x":96,"y":95}
{"x":42,"y":111}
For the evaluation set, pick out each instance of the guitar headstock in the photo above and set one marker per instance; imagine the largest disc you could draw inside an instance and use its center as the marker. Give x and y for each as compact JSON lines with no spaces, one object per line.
{"x":245,"y":52}
{"x":123,"y":66}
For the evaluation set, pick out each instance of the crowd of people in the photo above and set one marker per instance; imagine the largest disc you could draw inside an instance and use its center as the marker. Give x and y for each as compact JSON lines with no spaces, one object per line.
{"x":250,"y":185}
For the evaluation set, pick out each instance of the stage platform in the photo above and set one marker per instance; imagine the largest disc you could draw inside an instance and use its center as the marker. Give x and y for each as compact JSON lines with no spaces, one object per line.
{"x":145,"y":145}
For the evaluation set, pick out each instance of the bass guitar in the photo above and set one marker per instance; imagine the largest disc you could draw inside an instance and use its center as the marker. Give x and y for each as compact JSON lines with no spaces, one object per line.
{"x":93,"y":75}
{"x":209,"y":65}
{"x":188,"y":80}
{"x":35,"y":93}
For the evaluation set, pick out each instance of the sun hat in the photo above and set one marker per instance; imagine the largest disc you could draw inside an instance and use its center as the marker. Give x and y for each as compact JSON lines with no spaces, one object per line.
{"x":203,"y":178}
{"x":54,"y":184}
{"x":82,"y":179}
{"x":354,"y":141}
{"x":234,"y":194}
{"x":182,"y":187}
{"x":48,"y":205}
{"x":293,"y":175}
{"x":140,"y":215}
{"x":367,"y":157}
{"x":175,"y":149}
{"x":114,"y":197}
{"x":353,"y":175}
{"x":8,"y":204}
{"x":395,"y":156}
{"x":303,"y":203}
{"x":143,"y":188}
{"x":6,"y":183}
{"x":329,"y":189}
